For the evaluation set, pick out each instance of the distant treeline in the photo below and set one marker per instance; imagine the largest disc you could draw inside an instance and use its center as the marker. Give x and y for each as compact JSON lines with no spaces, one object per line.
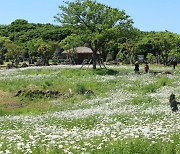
{"x":22,"y":41}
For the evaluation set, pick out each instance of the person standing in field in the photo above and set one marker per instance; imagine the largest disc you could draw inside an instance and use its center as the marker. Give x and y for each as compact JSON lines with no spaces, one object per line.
{"x":136,"y":69}
{"x":173,"y":103}
{"x":174,"y":62}
{"x":146,"y":68}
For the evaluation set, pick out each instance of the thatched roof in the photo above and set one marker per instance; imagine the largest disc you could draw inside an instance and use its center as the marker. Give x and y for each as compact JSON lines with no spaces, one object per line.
{"x":79,"y":50}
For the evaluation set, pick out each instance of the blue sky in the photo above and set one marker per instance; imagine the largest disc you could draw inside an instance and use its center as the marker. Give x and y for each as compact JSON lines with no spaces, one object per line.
{"x":148,"y":15}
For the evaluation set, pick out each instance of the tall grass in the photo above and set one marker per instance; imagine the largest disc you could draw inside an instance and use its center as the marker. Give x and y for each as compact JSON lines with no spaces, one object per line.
{"x":162,"y":81}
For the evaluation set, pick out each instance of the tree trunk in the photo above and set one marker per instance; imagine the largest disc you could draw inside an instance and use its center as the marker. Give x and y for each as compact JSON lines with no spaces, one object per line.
{"x":157,"y":58}
{"x":104,"y":55}
{"x":166,"y":57}
{"x":94,"y":59}
{"x":45,"y":61}
{"x":94,"y":54}
{"x":16,"y":61}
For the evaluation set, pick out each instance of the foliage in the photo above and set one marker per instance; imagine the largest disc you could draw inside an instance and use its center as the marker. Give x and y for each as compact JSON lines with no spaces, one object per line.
{"x":128,"y":50}
{"x":3,"y":48}
{"x":71,"y":42}
{"x":27,"y":36}
{"x":106,"y":30}
{"x":96,"y":22}
{"x":80,"y":89}
{"x":14,"y":52}
{"x":150,"y":57}
{"x":45,"y":52}
{"x":160,"y":44}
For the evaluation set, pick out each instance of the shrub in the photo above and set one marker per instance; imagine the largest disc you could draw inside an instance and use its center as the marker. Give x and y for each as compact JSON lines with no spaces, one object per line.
{"x":80,"y":89}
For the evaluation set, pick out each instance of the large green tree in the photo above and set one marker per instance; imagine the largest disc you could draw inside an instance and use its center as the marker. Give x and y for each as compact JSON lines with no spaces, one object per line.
{"x":45,"y":50}
{"x":96,"y":22}
{"x":14,"y":52}
{"x":3,"y":48}
{"x":162,"y":45}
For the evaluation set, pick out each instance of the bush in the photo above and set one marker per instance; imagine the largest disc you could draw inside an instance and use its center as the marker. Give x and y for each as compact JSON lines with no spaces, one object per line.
{"x":80,"y":89}
{"x":150,"y":57}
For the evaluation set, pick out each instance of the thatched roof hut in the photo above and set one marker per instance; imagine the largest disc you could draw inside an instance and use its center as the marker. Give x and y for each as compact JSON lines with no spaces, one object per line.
{"x":79,"y":50}
{"x":79,"y":54}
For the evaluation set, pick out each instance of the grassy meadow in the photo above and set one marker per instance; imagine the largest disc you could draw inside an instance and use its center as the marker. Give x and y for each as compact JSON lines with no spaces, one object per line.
{"x":67,"y":110}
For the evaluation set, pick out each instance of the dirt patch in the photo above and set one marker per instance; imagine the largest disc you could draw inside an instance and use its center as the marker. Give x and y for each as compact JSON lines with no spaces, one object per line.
{"x":39,"y":93}
{"x":8,"y":101}
{"x":162,"y":73}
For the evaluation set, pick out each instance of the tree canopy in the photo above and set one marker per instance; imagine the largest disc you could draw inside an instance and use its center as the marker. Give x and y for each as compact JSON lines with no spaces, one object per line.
{"x":96,"y":22}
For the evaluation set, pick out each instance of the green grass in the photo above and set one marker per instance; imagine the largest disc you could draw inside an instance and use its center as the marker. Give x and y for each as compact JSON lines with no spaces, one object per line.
{"x":144,"y":100}
{"x":141,"y":146}
{"x":100,"y":111}
{"x":162,"y":81}
{"x":75,"y":82}
{"x":64,"y":81}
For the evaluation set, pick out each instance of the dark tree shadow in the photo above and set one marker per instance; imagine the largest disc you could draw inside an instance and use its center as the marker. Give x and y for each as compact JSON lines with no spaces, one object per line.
{"x":103,"y":71}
